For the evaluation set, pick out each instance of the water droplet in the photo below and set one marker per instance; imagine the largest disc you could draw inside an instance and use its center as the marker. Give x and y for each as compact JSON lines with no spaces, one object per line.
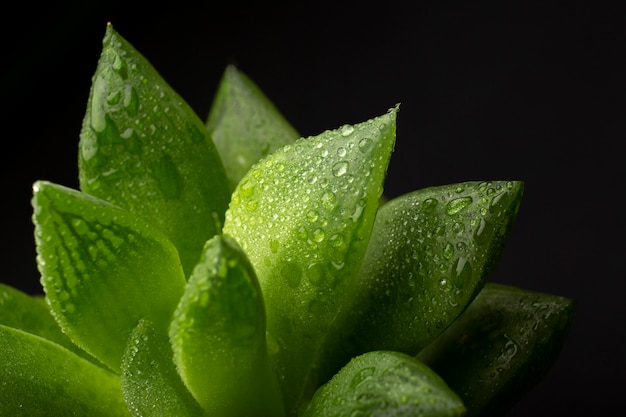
{"x":448,"y":251}
{"x":365,"y":145}
{"x":312,"y":215}
{"x":318,"y":235}
{"x":341,"y":152}
{"x":340,"y":168}
{"x":316,"y":274}
{"x":361,"y":376}
{"x":246,"y":189}
{"x":347,"y":130}
{"x":462,"y":272}
{"x":336,"y":240}
{"x":131,"y":100}
{"x":458,"y":204}
{"x":114,"y":97}
{"x":274,"y":245}
{"x":429,"y":204}
{"x":329,"y":199}
{"x":119,"y":66}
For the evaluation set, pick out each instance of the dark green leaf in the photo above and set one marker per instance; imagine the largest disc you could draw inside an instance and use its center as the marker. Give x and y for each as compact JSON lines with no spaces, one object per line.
{"x":143,"y":148}
{"x":501,"y":346}
{"x":41,"y":378}
{"x":245,"y":125}
{"x":31,"y":314}
{"x":150,"y":382}
{"x":218,"y":336}
{"x":102,"y":269}
{"x":380,"y":384}
{"x":303,"y":216}
{"x":429,"y":254}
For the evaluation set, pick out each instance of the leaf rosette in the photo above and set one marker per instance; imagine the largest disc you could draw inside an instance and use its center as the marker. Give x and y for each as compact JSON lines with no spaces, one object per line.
{"x":232,"y":268}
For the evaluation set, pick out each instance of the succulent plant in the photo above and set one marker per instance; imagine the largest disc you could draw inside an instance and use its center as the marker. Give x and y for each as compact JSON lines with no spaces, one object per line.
{"x":231,"y":267}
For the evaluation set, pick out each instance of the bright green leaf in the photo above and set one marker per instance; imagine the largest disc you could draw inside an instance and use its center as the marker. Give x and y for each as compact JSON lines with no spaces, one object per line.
{"x":429,"y":254}
{"x":31,"y":314}
{"x":143,"y":148}
{"x":150,"y":382}
{"x":380,"y":384}
{"x":40,"y":378}
{"x":303,"y":215}
{"x":218,"y":336}
{"x":501,"y":346}
{"x":102,"y":269}
{"x":245,"y":125}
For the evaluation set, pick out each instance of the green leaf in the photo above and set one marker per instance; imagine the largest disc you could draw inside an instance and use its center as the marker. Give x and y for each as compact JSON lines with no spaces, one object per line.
{"x":429,"y":254}
{"x":40,"y":378}
{"x":150,"y":382}
{"x":381,"y":383}
{"x":218,"y":336}
{"x":102,"y":269}
{"x":31,"y":314}
{"x":143,"y":148}
{"x":303,"y":216}
{"x":501,"y":346}
{"x":245,"y":125}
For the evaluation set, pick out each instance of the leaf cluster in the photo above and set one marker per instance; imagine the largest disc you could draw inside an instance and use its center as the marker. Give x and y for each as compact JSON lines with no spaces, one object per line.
{"x":231,"y":267}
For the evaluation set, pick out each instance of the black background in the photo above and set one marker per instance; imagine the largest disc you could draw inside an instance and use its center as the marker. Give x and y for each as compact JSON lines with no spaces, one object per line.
{"x":488,"y":91}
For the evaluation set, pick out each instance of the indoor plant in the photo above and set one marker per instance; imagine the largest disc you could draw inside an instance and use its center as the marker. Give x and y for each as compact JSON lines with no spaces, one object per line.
{"x":230,"y":267}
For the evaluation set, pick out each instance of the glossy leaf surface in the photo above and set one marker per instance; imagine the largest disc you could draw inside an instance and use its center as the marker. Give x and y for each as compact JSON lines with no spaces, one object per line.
{"x":303,"y":216}
{"x":430,"y":253}
{"x":143,"y":148}
{"x":150,"y":382}
{"x":102,"y":269}
{"x":501,"y":346}
{"x":40,"y":379}
{"x":245,"y":125}
{"x":218,"y":336}
{"x":385,"y":384}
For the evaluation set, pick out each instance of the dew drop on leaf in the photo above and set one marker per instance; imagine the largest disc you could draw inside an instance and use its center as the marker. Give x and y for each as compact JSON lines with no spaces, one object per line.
{"x":365,"y":145}
{"x":318,"y":235}
{"x":340,"y":168}
{"x":458,"y":204}
{"x":347,"y":130}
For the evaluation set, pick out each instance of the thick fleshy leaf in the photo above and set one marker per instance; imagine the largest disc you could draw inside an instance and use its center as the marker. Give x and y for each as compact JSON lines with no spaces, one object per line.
{"x":382,"y":383}
{"x":40,"y":378}
{"x":245,"y":125}
{"x":143,"y":148}
{"x":218,"y":336}
{"x":102,"y":269}
{"x":303,"y":215}
{"x":150,"y":382}
{"x":31,"y":314}
{"x":429,"y":254}
{"x":501,"y":346}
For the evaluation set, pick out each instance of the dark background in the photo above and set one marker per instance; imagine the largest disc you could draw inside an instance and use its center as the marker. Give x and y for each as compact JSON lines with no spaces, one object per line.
{"x":487,"y":92}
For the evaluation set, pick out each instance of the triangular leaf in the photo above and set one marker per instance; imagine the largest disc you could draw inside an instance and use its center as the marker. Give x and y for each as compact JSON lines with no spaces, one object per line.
{"x":143,"y":148}
{"x":40,"y":379}
{"x":218,"y":336}
{"x":102,"y":269}
{"x":501,"y":346}
{"x":429,"y":254}
{"x":303,"y":216}
{"x":245,"y":125}
{"x":150,"y":382}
